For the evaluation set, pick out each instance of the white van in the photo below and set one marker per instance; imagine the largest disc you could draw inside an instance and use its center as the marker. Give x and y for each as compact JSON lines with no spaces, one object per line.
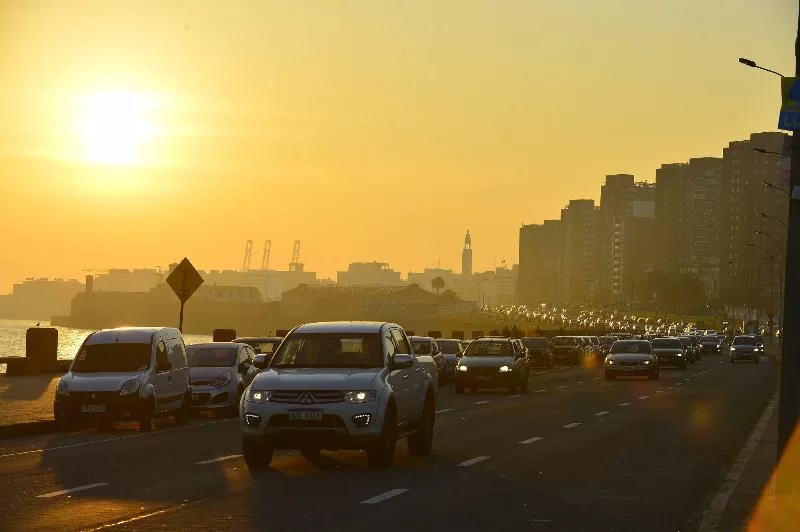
{"x":127,"y":373}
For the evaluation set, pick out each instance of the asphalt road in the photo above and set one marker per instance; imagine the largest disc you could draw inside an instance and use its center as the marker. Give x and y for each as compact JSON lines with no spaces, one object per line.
{"x":574,"y":453}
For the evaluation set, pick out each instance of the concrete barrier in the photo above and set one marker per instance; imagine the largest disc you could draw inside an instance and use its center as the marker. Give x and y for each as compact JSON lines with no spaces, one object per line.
{"x":224,"y":335}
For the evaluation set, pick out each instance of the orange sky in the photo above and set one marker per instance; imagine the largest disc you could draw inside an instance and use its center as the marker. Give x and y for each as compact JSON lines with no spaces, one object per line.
{"x":136,"y":133}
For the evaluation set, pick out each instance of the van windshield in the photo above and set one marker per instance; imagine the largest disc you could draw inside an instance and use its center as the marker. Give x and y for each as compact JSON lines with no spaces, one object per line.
{"x":117,"y":357}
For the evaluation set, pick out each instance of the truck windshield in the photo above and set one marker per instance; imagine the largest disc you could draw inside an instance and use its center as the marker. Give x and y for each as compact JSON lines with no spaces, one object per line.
{"x":115,"y":357}
{"x":329,"y":350}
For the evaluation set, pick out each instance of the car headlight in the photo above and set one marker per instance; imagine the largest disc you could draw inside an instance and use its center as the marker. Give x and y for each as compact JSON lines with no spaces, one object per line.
{"x":62,"y":388}
{"x":221,"y":381}
{"x":358,"y":397}
{"x":504,"y":369}
{"x":733,"y":348}
{"x":259,"y":396}
{"x":129,"y":387}
{"x":610,"y":362}
{"x":462,"y":368}
{"x":646,"y":362}
{"x":679,"y":354}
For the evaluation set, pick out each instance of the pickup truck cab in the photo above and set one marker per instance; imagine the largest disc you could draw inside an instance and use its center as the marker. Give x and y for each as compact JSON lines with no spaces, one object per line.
{"x":341,"y":385}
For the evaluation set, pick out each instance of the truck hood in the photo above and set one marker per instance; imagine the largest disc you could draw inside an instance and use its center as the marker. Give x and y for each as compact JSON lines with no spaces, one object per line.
{"x":315,"y":379}
{"x":486,"y":361}
{"x":98,"y":382}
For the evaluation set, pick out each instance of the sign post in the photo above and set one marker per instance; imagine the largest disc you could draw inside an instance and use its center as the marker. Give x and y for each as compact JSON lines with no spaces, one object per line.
{"x":184,"y":281}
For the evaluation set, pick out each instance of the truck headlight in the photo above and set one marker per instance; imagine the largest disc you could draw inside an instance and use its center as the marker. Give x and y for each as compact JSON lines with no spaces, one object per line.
{"x":129,"y":387}
{"x":504,"y":369}
{"x":462,"y":368}
{"x":62,"y":388}
{"x":221,"y":381}
{"x":359,"y":397}
{"x":259,"y":396}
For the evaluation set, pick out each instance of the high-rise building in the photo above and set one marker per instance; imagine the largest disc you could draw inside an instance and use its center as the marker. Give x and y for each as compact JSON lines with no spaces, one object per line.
{"x":541,"y":256}
{"x":579,"y":277}
{"x":752,"y":224}
{"x":466,"y":256}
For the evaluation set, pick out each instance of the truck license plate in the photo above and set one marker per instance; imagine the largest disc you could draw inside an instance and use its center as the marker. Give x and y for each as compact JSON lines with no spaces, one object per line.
{"x":93,"y":409}
{"x":305,"y":415}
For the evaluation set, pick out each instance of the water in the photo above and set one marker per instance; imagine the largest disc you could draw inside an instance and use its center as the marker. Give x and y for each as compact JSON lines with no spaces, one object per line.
{"x":12,"y":339}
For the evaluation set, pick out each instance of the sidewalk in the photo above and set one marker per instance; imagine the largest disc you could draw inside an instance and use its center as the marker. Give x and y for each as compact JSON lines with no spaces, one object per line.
{"x":751,"y":502}
{"x":26,"y":404}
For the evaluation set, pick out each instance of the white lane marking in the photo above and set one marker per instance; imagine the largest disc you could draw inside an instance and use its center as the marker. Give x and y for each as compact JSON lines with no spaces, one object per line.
{"x":473,"y":461}
{"x":659,"y":391}
{"x":139,"y":435}
{"x":513,"y":396}
{"x":530,"y":440}
{"x":220,"y":459}
{"x":718,"y":505}
{"x":540,"y":391}
{"x":624,"y":404}
{"x":571,"y":425}
{"x":71,"y":490}
{"x":443,"y":411}
{"x":602,"y":413}
{"x":669,"y":387}
{"x":597,"y":378}
{"x":482,"y":402}
{"x":562,"y":387}
{"x":384,"y":496}
{"x":580,"y":382}
{"x":642,"y":398}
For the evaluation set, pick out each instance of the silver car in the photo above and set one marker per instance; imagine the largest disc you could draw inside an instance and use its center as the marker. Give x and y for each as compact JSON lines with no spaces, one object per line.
{"x":631,"y":358}
{"x":219,"y":373}
{"x":745,"y":347}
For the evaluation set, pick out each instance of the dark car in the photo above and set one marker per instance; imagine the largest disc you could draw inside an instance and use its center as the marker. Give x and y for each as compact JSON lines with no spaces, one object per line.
{"x":688,"y":347}
{"x":493,"y":363}
{"x":452,"y":349}
{"x":605,"y":344}
{"x":670,"y":352}
{"x":567,"y":350}
{"x":745,"y":347}
{"x":698,"y":348}
{"x":539,"y":351}
{"x":427,"y":346}
{"x":711,"y":345}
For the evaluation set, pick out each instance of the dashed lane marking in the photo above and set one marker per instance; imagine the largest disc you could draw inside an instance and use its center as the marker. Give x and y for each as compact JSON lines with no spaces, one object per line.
{"x":482,"y":402}
{"x":530,"y":440}
{"x":642,"y":398}
{"x":571,"y":425}
{"x":444,"y":411}
{"x":624,"y":404}
{"x":562,"y":387}
{"x":473,"y":461}
{"x":72,"y":490}
{"x":540,"y":391}
{"x":386,"y":495}
{"x":659,"y":391}
{"x":513,"y":396}
{"x":602,"y":413}
{"x":220,"y":459}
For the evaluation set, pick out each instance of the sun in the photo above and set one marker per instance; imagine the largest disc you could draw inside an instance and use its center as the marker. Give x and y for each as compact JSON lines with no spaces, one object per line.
{"x":114,"y":127}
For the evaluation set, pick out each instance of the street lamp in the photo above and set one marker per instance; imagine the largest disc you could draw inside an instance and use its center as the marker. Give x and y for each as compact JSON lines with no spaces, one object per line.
{"x":753,"y":64}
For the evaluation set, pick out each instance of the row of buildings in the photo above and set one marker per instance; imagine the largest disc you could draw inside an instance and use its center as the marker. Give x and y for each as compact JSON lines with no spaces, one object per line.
{"x":707,"y":231}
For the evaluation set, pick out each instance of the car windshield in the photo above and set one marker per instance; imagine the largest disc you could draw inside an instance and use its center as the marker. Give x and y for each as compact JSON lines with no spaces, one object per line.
{"x":709,"y":339}
{"x":421,"y":347}
{"x":211,"y":357}
{"x":685,"y":340}
{"x":491,"y":349}
{"x":117,"y":357}
{"x":607,"y":340}
{"x":666,"y":343}
{"x":744,"y":340}
{"x":449,"y":347}
{"x":562,"y":340}
{"x":631,"y":347}
{"x":329,"y":350}
{"x":536,"y":343}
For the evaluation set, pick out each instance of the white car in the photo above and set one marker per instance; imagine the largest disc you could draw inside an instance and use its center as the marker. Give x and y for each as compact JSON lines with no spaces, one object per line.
{"x":340,"y":385}
{"x":220,"y":371}
{"x":127,"y":373}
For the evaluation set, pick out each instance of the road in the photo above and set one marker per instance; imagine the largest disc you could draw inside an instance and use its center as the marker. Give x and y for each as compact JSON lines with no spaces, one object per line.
{"x":574,"y":453}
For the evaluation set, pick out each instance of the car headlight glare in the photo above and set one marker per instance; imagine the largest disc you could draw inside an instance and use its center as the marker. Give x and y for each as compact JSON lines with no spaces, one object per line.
{"x":62,"y":388}
{"x":260,"y":396}
{"x":221,"y":381}
{"x":129,"y":387}
{"x":679,"y":354}
{"x":504,"y":369}
{"x":610,"y":362}
{"x":359,"y":397}
{"x":646,"y":362}
{"x":462,"y":368}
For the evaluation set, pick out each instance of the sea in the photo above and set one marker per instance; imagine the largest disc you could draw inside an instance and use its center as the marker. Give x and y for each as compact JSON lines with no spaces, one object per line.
{"x":12,"y":338}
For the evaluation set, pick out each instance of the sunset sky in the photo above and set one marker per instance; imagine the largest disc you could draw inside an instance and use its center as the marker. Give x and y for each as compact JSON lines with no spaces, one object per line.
{"x":136,"y":133}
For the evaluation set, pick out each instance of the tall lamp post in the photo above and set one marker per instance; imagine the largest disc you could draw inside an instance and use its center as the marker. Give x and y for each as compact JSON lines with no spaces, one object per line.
{"x":789,"y":405}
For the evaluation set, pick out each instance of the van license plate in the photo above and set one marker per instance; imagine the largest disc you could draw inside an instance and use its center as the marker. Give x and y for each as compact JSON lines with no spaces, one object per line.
{"x":93,"y":409}
{"x":305,"y":416}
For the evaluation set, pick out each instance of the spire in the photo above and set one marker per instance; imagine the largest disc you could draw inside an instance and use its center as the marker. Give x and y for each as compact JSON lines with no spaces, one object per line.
{"x":468,"y":241}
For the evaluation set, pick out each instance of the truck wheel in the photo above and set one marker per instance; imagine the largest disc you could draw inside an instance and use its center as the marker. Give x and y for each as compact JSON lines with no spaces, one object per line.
{"x":421,"y":441}
{"x":380,"y":453}
{"x":257,"y":455}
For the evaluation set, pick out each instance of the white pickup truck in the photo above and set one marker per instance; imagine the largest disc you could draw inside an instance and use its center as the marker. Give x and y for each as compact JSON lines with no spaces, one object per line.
{"x":341,"y":385}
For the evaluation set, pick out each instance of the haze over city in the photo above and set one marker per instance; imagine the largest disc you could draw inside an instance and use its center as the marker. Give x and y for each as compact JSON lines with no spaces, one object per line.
{"x":368,"y":130}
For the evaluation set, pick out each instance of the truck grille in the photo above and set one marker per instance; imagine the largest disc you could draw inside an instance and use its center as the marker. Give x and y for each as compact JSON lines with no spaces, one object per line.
{"x":302,"y":397}
{"x":328,"y":421}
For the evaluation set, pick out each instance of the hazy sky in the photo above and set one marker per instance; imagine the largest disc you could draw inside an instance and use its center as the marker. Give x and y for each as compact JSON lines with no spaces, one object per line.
{"x":136,"y":133}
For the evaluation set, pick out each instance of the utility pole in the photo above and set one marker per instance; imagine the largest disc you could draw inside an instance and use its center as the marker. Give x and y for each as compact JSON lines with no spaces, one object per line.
{"x":789,"y":405}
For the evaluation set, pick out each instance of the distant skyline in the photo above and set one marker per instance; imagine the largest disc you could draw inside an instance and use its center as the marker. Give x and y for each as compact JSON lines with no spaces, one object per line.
{"x":135,"y":134}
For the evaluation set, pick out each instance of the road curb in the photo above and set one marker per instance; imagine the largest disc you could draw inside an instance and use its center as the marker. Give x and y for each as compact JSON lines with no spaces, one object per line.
{"x":27,"y":429}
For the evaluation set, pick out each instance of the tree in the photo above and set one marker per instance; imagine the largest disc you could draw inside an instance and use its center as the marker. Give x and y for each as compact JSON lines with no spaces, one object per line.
{"x":437,"y":283}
